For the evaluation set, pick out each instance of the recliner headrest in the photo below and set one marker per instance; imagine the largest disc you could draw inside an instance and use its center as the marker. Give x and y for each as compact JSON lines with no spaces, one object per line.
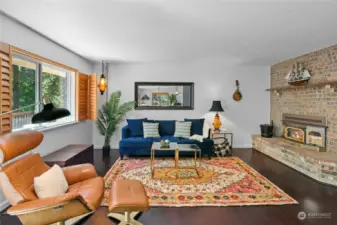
{"x":18,"y":143}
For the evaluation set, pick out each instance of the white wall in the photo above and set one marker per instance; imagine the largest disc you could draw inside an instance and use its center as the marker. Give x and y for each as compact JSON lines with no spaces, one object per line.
{"x":1,"y":27}
{"x":19,"y":36}
{"x":214,"y":79}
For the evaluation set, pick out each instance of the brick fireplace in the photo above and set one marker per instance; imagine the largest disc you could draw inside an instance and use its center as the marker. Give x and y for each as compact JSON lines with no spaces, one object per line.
{"x":316,"y":101}
{"x":305,"y":117}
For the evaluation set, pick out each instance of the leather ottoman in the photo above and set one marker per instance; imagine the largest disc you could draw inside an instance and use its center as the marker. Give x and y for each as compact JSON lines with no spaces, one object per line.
{"x":128,"y":197}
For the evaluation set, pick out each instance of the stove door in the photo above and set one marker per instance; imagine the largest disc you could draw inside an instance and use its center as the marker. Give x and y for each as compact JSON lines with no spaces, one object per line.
{"x":294,"y":133}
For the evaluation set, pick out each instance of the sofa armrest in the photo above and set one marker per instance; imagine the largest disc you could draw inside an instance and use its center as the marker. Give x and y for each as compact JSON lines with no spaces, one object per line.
{"x":209,"y":133}
{"x":41,"y":204}
{"x":125,"y":132}
{"x":79,"y":173}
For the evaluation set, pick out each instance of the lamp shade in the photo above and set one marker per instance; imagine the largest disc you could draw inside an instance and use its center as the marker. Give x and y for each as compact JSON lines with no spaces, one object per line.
{"x":216,"y":107}
{"x":50,"y":113}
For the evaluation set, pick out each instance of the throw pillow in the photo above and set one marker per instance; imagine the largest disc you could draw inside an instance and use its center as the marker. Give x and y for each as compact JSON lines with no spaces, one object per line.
{"x":136,"y":127}
{"x":183,"y":129}
{"x":166,"y":127}
{"x":151,"y":130}
{"x":51,"y":183}
{"x":205,"y":132}
{"x":197,"y":126}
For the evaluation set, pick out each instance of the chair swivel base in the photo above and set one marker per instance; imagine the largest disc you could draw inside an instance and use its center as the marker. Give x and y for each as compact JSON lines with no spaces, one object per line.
{"x":126,"y":219}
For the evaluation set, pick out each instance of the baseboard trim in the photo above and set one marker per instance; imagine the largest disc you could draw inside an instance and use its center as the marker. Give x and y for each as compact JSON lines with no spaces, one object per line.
{"x":4,"y":205}
{"x":243,"y":146}
{"x":99,"y":147}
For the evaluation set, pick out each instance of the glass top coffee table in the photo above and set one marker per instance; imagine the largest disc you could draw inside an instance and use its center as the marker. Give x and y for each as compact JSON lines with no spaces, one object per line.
{"x":176,"y":148}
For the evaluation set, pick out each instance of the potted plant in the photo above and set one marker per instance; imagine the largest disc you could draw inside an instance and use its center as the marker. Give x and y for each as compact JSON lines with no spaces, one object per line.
{"x":172,"y":99}
{"x":111,"y":114}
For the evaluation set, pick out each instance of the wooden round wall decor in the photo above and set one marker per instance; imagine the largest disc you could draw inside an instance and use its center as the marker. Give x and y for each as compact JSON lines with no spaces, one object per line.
{"x":237,"y":96}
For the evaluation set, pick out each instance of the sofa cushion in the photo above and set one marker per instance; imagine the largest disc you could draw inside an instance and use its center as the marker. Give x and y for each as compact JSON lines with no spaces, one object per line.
{"x":151,"y":130}
{"x":197,"y":126}
{"x":166,"y":127}
{"x":170,"y":138}
{"x":183,"y":129}
{"x":136,"y":127}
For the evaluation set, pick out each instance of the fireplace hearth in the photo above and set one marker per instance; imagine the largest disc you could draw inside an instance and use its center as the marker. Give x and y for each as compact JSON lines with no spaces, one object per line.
{"x":310,"y":131}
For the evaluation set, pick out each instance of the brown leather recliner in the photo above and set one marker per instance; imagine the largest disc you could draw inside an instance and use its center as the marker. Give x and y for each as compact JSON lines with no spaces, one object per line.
{"x":84,"y":195}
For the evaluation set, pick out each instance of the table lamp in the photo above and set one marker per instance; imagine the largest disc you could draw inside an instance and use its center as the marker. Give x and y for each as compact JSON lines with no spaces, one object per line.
{"x":145,"y":98}
{"x":216,"y":107}
{"x":48,"y":114}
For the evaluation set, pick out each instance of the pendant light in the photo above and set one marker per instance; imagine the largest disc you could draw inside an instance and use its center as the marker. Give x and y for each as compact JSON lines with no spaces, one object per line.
{"x":102,"y":84}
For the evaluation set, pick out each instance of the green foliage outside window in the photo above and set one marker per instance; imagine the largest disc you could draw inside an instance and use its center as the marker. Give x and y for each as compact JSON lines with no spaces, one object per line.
{"x":24,"y":88}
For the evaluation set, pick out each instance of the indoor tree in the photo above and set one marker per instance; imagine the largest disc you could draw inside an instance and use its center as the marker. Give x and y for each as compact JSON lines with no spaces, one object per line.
{"x":111,"y":114}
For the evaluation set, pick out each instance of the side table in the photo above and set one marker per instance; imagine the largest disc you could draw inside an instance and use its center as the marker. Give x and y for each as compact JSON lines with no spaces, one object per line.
{"x":223,"y":142}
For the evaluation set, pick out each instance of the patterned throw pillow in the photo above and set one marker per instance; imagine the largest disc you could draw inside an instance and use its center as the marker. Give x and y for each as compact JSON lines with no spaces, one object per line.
{"x":183,"y":129}
{"x":151,"y":130}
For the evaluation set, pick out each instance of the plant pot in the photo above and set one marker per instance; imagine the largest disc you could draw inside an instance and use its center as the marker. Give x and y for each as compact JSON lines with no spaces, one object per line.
{"x":106,"y":150}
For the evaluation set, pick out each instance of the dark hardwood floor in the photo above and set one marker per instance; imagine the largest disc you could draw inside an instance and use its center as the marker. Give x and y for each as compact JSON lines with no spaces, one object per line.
{"x":312,"y":196}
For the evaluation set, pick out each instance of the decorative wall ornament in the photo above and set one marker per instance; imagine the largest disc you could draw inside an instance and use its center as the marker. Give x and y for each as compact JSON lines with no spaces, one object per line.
{"x":237,"y":96}
{"x":102,"y":84}
{"x":298,"y":75}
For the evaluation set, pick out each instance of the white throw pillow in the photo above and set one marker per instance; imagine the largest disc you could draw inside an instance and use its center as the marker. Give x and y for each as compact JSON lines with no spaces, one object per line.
{"x":183,"y":129}
{"x":151,"y":130}
{"x":205,"y":132}
{"x":51,"y":183}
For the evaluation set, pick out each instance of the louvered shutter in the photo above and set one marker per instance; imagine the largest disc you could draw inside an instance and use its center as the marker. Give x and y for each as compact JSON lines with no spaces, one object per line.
{"x":82,"y":101}
{"x":5,"y":88}
{"x":87,"y":97}
{"x":93,"y":97}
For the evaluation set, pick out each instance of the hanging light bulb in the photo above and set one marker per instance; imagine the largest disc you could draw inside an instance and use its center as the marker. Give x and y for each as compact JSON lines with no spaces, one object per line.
{"x":102,"y":84}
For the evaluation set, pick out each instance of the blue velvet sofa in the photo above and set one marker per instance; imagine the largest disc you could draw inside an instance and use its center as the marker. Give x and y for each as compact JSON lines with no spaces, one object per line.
{"x":133,"y":142}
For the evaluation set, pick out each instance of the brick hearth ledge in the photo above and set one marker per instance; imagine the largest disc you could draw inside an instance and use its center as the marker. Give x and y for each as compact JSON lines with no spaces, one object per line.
{"x":321,"y":166}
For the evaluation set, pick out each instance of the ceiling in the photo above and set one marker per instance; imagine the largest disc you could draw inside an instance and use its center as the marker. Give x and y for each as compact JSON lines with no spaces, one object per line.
{"x":260,"y":32}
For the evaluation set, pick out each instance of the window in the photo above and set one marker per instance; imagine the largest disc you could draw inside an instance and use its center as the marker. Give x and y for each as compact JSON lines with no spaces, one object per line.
{"x":35,"y":81}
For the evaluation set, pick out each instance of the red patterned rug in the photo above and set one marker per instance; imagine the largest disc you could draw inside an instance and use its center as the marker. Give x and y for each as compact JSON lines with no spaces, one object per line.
{"x":223,"y":182}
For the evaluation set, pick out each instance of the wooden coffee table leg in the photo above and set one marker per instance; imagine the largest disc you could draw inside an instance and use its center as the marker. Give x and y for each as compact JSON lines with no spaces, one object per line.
{"x":176,"y":160}
{"x":151,"y":163}
{"x":195,"y":163}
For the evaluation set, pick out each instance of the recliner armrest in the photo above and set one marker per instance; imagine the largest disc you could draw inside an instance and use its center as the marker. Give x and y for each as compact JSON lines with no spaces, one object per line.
{"x":79,"y":173}
{"x":41,"y":204}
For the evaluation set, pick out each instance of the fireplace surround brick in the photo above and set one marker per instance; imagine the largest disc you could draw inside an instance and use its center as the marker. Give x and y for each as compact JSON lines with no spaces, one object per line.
{"x":317,"y":101}
{"x":321,"y":166}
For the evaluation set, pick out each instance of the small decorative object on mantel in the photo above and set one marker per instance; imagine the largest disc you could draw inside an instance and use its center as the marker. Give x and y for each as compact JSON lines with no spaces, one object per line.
{"x":216,"y":107}
{"x":237,"y":96}
{"x":165,"y":144}
{"x":267,"y":130}
{"x":298,"y":75}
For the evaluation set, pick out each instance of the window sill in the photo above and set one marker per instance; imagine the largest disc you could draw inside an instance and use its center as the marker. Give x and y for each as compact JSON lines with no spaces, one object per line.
{"x":48,"y":128}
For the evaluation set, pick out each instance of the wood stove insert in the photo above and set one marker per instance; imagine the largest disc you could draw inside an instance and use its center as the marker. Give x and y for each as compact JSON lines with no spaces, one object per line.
{"x":307,"y":130}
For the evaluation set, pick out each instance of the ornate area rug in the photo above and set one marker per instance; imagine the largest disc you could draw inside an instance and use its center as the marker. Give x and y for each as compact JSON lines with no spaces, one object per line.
{"x":223,"y":182}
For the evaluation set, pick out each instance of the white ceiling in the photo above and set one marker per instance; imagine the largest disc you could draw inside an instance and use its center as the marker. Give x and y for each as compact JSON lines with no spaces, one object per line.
{"x":247,"y":31}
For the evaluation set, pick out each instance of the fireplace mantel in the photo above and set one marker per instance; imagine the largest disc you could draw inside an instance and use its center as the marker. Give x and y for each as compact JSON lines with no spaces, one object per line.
{"x":321,"y":166}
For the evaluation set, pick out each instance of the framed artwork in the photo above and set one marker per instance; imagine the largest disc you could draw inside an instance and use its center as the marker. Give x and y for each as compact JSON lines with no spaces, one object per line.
{"x":160,"y":98}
